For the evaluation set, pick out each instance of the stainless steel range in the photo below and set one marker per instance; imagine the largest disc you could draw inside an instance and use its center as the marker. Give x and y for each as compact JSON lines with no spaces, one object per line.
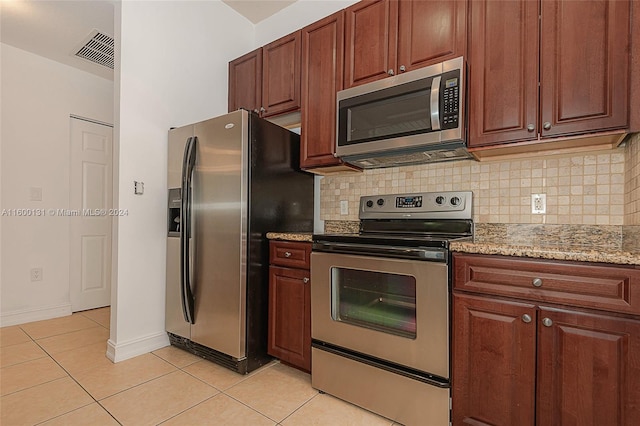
{"x":380,"y":306}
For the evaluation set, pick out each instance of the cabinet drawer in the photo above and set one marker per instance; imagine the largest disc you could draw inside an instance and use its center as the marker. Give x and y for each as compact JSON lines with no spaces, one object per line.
{"x":611,"y":288}
{"x":291,"y":254}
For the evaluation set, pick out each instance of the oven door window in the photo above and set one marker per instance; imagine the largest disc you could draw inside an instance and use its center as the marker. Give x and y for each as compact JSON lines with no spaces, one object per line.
{"x":376,"y":300}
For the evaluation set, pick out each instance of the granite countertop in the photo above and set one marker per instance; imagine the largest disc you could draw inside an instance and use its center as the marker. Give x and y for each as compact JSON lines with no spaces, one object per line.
{"x":583,"y":243}
{"x":290,"y":236}
{"x":575,"y":253}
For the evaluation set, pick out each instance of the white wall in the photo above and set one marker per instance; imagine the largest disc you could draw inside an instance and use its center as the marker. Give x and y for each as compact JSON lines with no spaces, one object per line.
{"x":171,"y":70}
{"x":298,"y":15}
{"x":38,"y":95}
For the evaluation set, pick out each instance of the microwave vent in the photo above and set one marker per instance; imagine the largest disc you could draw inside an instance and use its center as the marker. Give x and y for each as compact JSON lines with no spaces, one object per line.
{"x":410,"y":158}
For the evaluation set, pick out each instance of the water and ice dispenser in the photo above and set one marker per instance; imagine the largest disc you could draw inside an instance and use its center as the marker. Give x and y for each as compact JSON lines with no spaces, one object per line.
{"x":173,"y":215}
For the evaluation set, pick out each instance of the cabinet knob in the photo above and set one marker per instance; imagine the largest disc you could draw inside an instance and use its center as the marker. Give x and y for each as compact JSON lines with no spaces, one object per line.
{"x":546,"y":125}
{"x":391,"y":72}
{"x":537,"y":282}
{"x":547,"y":322}
{"x":287,"y":254}
{"x":403,"y":68}
{"x":262,"y":109}
{"x":526,"y":318}
{"x":256,"y":111}
{"x":531,"y":128}
{"x":305,"y":280}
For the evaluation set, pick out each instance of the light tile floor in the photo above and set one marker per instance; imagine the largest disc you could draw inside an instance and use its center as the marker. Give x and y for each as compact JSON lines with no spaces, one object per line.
{"x":55,"y":372}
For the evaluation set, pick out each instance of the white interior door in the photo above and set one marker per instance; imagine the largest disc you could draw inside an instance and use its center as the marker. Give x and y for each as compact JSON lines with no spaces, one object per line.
{"x":91,"y":195}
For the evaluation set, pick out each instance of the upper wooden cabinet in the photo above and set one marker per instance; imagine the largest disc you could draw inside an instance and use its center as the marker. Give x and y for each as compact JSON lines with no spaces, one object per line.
{"x":583,"y":57}
{"x":503,"y":71}
{"x":322,"y":56}
{"x":384,"y":37}
{"x":281,"y":75}
{"x":245,"y":82}
{"x":430,"y":32}
{"x":584,"y":64}
{"x":267,"y":80}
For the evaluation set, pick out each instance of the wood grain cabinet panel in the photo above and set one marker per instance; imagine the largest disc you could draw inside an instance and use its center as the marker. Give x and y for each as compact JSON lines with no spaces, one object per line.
{"x":503,"y":71}
{"x":322,"y":75}
{"x":387,"y":37}
{"x":245,"y":82}
{"x":494,"y":355}
{"x":588,"y":369}
{"x":430,"y":32}
{"x":609,"y":288}
{"x":289,"y":336}
{"x":584,"y":62}
{"x":371,"y":31}
{"x":518,"y":360}
{"x":281,"y":75}
{"x":583,"y":56}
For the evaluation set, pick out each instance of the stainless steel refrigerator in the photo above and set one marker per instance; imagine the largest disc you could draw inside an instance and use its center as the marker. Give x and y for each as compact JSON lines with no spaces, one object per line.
{"x":231,"y":180}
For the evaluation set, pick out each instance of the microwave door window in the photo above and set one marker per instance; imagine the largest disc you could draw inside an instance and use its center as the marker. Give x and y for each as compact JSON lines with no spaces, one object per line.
{"x":398,"y":115}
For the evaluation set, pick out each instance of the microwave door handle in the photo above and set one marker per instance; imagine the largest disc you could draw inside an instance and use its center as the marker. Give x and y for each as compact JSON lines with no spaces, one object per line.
{"x":435,"y":103}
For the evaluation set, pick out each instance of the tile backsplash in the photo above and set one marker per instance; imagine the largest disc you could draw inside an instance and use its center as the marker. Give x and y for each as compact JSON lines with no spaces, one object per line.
{"x":632,"y":182}
{"x":596,"y":188}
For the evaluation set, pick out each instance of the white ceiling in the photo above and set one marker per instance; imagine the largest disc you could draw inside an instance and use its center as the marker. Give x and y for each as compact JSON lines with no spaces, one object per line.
{"x":57,"y":29}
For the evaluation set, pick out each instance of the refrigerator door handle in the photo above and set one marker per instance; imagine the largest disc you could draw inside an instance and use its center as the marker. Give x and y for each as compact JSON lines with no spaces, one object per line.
{"x":185,"y":230}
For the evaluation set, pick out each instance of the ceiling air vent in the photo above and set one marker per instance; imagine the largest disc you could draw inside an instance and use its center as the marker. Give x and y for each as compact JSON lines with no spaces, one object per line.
{"x":98,"y":48}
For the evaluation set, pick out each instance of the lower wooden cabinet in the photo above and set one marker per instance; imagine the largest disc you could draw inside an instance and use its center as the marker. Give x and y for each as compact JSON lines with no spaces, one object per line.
{"x":290,"y":304}
{"x":529,"y":362}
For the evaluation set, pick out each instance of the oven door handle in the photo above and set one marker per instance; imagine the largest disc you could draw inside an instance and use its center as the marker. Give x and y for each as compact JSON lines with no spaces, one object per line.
{"x":417,"y":253}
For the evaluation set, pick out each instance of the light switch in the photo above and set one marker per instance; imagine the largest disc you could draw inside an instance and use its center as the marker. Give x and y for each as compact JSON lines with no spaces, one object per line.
{"x":35,"y":193}
{"x":138,"y":187}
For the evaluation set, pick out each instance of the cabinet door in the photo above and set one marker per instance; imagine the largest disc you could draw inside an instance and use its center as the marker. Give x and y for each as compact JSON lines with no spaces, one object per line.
{"x":430,"y":32}
{"x":371,"y":34}
{"x":281,"y":75}
{"x":503,"y":71}
{"x":245,"y":82}
{"x":290,"y":316}
{"x":588,"y":369}
{"x":584,"y":66}
{"x":322,"y":74}
{"x":493,"y":356}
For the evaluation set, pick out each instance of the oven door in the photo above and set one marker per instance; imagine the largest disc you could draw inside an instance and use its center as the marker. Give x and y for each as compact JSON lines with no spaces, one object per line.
{"x":392,"y":309}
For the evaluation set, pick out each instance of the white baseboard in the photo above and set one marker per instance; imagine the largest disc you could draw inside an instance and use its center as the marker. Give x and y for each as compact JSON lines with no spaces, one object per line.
{"x":34,"y":314}
{"x":117,"y":352}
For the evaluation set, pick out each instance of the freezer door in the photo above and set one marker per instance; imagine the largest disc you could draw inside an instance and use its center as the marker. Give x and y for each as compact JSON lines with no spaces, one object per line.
{"x":174,"y":314}
{"x":219,"y":233}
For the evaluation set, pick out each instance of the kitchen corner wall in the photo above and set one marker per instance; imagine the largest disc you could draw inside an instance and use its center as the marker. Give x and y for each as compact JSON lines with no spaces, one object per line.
{"x":632,"y":182}
{"x":38,"y":96}
{"x":584,"y":188}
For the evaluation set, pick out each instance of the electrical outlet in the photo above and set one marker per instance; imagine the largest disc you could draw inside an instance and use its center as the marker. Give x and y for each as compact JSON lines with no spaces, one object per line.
{"x":344,"y":207}
{"x":36,"y":274}
{"x":538,"y":203}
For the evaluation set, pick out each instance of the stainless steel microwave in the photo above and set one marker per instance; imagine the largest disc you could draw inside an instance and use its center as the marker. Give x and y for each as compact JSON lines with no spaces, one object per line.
{"x":410,"y":118}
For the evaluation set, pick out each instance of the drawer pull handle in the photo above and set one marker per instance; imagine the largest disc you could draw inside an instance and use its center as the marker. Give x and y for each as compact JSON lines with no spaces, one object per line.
{"x":305,"y":280}
{"x":547,"y":322}
{"x":287,"y":254}
{"x":537,"y":282}
{"x":526,"y":318}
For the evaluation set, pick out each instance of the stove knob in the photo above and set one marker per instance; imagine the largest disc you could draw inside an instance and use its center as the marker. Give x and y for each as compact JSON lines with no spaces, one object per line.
{"x":369,"y":203}
{"x":455,"y":201}
{"x":440,"y":200}
{"x":380,"y":201}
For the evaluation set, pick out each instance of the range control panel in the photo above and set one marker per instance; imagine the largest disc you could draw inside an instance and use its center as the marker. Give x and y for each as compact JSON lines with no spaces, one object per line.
{"x":423,"y":205}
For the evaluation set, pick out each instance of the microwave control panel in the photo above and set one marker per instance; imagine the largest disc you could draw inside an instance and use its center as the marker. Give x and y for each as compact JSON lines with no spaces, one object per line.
{"x":450,"y":89}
